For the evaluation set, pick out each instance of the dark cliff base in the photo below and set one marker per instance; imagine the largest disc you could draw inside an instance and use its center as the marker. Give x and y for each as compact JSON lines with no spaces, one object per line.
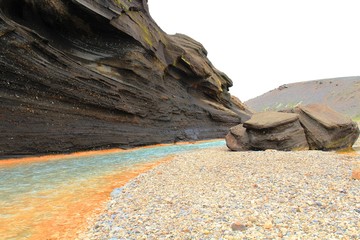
{"x":79,"y":75}
{"x":48,"y":131}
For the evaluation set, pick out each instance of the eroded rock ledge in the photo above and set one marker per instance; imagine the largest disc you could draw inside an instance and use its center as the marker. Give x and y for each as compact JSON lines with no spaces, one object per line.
{"x":86,"y":74}
{"x":314,"y":126}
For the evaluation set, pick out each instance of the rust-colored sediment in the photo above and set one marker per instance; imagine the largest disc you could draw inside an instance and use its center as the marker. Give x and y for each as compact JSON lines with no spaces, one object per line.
{"x":65,"y":213}
{"x":349,"y":152}
{"x":70,"y":207}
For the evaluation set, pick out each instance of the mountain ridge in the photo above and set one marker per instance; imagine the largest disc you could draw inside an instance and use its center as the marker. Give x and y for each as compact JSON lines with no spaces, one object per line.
{"x":342,"y":94}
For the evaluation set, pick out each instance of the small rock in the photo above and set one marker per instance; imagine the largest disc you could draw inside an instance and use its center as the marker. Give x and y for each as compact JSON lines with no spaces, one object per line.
{"x":305,"y":228}
{"x":206,"y":232}
{"x":252,"y":219}
{"x":268,"y":225}
{"x":356,"y":173}
{"x":238,"y":226}
{"x":284,"y":230}
{"x":186,"y":230}
{"x":343,"y":191}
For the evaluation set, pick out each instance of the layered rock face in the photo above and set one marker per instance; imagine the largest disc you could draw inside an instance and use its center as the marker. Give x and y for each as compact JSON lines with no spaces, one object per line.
{"x":86,"y":74}
{"x":312,"y":126}
{"x":325,"y":128}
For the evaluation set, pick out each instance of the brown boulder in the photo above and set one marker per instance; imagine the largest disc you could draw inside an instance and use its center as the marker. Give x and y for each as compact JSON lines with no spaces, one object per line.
{"x":268,"y":130}
{"x":237,"y":139}
{"x":326,"y":129}
{"x":275,"y":130}
{"x":313,"y":126}
{"x":267,"y":120}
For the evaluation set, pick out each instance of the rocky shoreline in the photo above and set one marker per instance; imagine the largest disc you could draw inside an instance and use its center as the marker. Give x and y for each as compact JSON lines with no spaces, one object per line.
{"x":219,"y":194}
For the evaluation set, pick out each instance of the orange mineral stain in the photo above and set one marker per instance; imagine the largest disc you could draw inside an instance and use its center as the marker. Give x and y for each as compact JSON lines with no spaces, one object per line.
{"x":350,"y":152}
{"x":63,"y":213}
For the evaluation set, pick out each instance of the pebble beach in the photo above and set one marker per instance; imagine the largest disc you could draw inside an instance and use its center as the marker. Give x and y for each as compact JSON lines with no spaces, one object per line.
{"x":219,"y":194}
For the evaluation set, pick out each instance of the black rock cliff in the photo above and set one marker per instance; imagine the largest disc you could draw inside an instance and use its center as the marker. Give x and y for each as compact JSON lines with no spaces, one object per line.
{"x":89,"y":74}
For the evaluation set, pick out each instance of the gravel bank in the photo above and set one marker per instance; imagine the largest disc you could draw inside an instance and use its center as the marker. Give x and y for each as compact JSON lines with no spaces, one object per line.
{"x":218,"y":194}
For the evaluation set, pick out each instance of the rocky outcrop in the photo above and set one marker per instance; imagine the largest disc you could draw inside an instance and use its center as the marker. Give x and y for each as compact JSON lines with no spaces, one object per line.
{"x":86,"y":74}
{"x":268,"y":130}
{"x":313,"y":126}
{"x":326,"y":129}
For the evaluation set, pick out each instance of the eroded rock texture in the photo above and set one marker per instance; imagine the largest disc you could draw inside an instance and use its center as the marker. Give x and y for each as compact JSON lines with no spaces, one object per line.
{"x":326,"y":129}
{"x":268,"y":130}
{"x":314,"y":126}
{"x":83,"y":74}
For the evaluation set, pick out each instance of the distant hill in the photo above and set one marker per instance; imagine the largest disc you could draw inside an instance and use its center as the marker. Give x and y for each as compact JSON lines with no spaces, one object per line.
{"x":341,"y":94}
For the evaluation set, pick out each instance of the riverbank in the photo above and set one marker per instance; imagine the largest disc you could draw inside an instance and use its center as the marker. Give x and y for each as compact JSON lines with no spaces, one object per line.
{"x":52,"y":197}
{"x":215,"y":193}
{"x":7,"y":161}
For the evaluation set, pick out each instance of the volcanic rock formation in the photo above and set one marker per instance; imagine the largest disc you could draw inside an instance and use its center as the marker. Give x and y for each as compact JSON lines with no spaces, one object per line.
{"x":313,"y":126}
{"x":84,"y":74}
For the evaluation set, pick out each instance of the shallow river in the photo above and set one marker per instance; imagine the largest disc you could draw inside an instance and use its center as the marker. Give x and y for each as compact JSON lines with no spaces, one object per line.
{"x":51,"y":199}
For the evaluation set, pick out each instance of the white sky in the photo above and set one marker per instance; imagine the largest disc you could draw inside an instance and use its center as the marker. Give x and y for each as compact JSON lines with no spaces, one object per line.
{"x":262,"y":44}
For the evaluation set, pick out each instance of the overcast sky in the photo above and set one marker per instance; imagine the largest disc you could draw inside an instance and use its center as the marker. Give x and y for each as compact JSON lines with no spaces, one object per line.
{"x":262,"y":44}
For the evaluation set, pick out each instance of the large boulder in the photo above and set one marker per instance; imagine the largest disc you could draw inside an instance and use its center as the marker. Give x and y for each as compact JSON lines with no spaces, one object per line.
{"x":313,"y":126}
{"x":268,"y":130}
{"x":237,"y":139}
{"x":326,"y":129}
{"x":275,"y":130}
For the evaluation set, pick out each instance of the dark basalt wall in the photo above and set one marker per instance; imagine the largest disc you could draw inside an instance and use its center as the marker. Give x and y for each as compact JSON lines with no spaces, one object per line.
{"x":87,"y":74}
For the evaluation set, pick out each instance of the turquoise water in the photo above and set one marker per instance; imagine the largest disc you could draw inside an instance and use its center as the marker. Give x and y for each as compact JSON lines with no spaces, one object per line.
{"x":35,"y":177}
{"x":47,"y":199}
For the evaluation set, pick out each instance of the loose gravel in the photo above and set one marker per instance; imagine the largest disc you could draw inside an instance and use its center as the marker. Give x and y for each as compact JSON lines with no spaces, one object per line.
{"x":219,"y":194}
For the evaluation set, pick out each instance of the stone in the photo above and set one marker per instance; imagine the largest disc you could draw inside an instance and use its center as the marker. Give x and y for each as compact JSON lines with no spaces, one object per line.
{"x":238,"y":226}
{"x":312,"y":126}
{"x":268,"y":225}
{"x":327,"y":129}
{"x":79,"y":75}
{"x":252,"y":219}
{"x":356,"y":173}
{"x":286,"y":137}
{"x":237,"y":139}
{"x":268,"y":130}
{"x":266,"y":120}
